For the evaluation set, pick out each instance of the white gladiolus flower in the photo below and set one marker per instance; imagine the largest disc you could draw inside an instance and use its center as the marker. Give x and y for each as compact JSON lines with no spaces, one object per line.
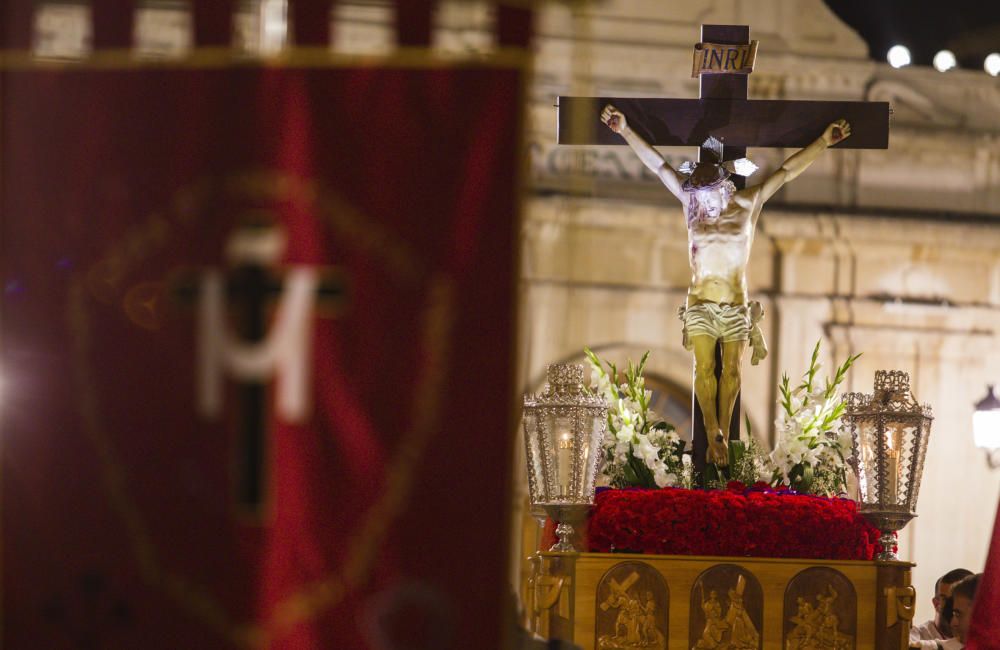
{"x":633,"y":407}
{"x":627,"y":414}
{"x":645,"y":450}
{"x":664,"y":478}
{"x":621,"y":451}
{"x":798,"y":449}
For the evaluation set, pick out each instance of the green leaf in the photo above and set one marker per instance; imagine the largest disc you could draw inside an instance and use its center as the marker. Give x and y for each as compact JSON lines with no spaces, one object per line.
{"x":711,"y":474}
{"x":786,"y":394}
{"x":629,"y":474}
{"x":642,"y":362}
{"x":813,"y":367}
{"x":737,"y":449}
{"x":595,"y":360}
{"x":807,"y":478}
{"x":643,"y":475}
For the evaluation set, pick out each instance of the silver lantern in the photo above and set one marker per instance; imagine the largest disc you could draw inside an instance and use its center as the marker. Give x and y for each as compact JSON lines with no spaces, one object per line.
{"x":563,"y":434}
{"x":889,"y":431}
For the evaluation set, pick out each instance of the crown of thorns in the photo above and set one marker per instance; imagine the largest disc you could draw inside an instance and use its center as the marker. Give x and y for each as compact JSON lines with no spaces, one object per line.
{"x":709,"y":173}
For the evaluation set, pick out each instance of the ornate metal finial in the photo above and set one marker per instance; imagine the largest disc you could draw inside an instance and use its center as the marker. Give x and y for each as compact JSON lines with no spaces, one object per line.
{"x":715,"y":146}
{"x":892,"y":381}
{"x":565,"y":387}
{"x":564,"y":374}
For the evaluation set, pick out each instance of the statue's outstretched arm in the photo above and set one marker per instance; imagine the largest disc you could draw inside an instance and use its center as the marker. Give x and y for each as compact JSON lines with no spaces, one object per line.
{"x":800,"y":161}
{"x":649,"y":156}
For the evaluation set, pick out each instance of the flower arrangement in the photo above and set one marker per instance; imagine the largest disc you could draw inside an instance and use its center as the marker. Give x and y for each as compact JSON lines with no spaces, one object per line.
{"x":758,"y":521}
{"x":812,"y":444}
{"x":641,"y":449}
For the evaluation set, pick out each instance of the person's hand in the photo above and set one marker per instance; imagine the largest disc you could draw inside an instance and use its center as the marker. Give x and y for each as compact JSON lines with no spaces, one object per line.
{"x":613,"y":118}
{"x":836,"y":132}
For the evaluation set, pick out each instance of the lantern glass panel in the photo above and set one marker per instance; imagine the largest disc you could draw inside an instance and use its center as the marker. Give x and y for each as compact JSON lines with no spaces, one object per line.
{"x":868,"y":445}
{"x":557,"y":429}
{"x":533,"y":455}
{"x":594,"y":426}
{"x":898,"y":459}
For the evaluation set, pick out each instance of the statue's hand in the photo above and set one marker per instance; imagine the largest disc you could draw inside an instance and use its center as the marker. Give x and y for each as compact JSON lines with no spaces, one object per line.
{"x":836,"y":132}
{"x":614,"y":118}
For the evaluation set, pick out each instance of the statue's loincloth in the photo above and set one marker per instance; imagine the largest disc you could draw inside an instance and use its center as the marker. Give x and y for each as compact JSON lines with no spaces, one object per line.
{"x":725,"y":322}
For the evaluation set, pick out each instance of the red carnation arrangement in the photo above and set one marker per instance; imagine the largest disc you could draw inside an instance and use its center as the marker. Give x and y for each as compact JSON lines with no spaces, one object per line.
{"x":738,"y":522}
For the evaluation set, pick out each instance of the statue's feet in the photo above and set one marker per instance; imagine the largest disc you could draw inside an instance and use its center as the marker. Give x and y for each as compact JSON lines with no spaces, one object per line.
{"x":718,"y":450}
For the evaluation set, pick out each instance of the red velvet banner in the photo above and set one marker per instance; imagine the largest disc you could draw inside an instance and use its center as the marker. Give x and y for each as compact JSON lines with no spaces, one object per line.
{"x":173,"y":241}
{"x":984,"y":628}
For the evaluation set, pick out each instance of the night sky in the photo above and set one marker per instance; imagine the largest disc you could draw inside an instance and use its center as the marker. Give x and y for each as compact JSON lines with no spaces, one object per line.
{"x":969,"y":29}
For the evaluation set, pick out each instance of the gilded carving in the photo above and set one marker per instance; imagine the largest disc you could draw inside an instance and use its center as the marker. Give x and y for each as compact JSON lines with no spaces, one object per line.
{"x":731,"y":621}
{"x":820,"y":611}
{"x":633,"y":602}
{"x":546,"y":595}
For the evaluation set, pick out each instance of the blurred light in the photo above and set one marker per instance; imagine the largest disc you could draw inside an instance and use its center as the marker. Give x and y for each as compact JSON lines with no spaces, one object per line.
{"x":162,"y":29}
{"x":992,"y":64}
{"x":986,"y":427}
{"x":62,"y":30}
{"x":945,"y":60}
{"x":273,"y":26}
{"x":898,"y":56}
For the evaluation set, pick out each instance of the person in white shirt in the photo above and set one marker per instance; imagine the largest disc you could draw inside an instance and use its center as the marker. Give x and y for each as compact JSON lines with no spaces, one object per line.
{"x":932,"y":634}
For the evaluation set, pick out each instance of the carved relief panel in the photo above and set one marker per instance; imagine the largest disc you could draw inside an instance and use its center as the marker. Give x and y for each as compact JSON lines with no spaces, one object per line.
{"x":632,"y":606}
{"x":727,"y":610}
{"x":820,"y":611}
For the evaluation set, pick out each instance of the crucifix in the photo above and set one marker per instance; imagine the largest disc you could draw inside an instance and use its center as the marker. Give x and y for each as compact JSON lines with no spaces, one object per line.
{"x":719,"y":319}
{"x":259,"y":349}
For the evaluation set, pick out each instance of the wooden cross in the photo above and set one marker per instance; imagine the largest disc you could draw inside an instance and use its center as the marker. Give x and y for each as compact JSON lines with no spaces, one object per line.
{"x":619,"y":589}
{"x":252,"y":288}
{"x":723,"y":110}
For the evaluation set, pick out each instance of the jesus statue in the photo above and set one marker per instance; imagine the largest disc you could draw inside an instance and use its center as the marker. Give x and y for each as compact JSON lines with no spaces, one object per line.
{"x":721,"y":222}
